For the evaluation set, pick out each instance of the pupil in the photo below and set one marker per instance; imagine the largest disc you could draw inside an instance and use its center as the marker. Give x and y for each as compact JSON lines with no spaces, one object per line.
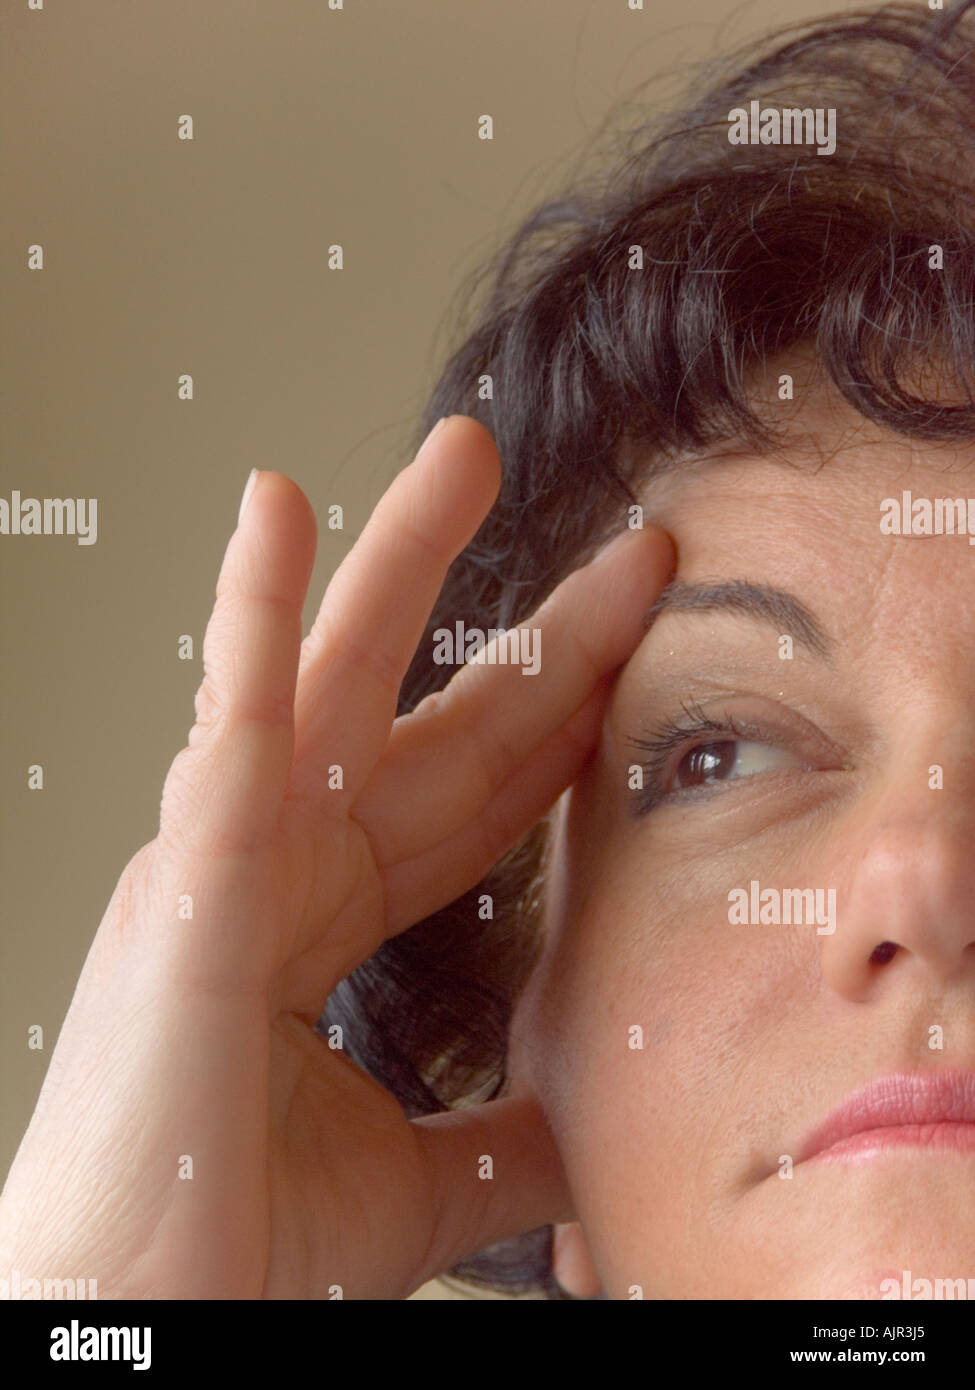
{"x":707,"y":763}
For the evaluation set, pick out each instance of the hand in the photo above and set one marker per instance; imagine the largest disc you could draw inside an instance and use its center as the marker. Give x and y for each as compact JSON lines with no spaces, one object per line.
{"x":189,"y":1046}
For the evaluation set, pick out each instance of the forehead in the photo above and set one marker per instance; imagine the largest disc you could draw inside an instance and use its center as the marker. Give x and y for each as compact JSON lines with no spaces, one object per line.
{"x":808,"y":520}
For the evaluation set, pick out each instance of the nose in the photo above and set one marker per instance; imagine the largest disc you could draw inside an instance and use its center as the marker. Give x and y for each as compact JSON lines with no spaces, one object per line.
{"x":906,"y":900}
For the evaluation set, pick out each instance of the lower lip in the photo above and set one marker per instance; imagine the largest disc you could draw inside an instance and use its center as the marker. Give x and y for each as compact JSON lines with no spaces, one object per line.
{"x":869,"y":1143}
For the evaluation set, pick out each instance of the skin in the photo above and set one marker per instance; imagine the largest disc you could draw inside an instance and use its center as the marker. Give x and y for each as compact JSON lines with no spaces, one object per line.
{"x":194,"y":1037}
{"x":753,"y":1034}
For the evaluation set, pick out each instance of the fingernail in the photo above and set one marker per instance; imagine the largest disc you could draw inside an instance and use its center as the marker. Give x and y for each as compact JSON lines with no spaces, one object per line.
{"x":248,"y":489}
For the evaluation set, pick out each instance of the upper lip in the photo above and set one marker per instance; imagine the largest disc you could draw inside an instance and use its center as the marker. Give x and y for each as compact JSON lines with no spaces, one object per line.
{"x":905,"y":1098}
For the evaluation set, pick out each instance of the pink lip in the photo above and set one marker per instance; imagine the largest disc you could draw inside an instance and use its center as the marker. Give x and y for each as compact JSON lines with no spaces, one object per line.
{"x":924,"y":1109}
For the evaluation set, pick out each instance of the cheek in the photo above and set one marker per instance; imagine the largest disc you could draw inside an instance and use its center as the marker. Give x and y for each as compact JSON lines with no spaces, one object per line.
{"x":651,"y":1034}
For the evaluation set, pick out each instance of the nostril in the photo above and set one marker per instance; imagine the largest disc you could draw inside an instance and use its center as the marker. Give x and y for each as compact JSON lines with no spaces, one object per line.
{"x":883,"y":953}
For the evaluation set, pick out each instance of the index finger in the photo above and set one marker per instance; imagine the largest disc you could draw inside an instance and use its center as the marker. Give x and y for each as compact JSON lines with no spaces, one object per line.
{"x":458,"y":747}
{"x":483,"y":759}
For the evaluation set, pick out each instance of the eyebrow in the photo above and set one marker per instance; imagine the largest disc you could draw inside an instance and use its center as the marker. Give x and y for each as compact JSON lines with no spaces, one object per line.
{"x":773,"y":606}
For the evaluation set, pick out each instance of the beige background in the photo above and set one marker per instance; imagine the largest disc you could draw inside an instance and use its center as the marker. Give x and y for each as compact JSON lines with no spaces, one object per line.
{"x":311,"y":126}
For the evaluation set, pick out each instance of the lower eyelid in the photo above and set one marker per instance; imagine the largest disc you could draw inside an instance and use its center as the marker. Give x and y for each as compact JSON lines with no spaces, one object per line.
{"x":650,"y":798}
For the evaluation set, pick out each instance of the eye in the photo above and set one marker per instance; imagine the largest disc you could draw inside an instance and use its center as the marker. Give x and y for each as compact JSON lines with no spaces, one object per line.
{"x":726,"y":761}
{"x":699,"y":752}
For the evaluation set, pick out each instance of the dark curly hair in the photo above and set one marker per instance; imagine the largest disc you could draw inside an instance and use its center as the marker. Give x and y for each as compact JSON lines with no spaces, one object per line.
{"x":606,"y":366}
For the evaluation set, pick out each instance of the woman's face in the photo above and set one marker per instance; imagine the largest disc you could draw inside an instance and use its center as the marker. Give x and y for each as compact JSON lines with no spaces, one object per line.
{"x":684,"y":1058}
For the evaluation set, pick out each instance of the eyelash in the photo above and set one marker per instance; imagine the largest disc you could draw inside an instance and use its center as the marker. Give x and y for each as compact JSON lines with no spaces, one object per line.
{"x":669,"y":734}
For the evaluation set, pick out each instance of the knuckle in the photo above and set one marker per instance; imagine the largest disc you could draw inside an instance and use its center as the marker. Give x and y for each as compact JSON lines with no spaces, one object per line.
{"x":130,"y":905}
{"x":207,"y":704}
{"x":215,"y":711}
{"x":382,"y":668}
{"x":432,"y":706}
{"x":180,"y":788}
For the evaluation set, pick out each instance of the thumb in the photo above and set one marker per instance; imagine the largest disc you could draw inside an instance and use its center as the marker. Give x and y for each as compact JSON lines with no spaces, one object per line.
{"x":497,"y":1173}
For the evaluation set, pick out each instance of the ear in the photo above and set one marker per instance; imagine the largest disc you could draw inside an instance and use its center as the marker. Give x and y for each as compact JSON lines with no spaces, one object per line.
{"x":572,"y":1263}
